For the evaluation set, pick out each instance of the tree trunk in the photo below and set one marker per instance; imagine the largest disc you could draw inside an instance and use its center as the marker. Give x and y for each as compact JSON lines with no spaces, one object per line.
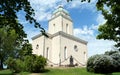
{"x":1,"y":64}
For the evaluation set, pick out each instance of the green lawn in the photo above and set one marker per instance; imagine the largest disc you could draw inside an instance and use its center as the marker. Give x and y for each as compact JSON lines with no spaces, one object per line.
{"x":62,"y":71}
{"x":6,"y":72}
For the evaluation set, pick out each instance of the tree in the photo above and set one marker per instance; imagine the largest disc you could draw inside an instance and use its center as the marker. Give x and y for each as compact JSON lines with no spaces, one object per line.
{"x":25,"y":50}
{"x":9,"y":9}
{"x":7,"y":44}
{"x":9,"y":19}
{"x":111,"y":29}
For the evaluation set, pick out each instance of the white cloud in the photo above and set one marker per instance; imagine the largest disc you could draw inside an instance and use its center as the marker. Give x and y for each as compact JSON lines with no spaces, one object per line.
{"x":100,"y":19}
{"x":82,"y":5}
{"x":95,"y":46}
{"x":44,"y":8}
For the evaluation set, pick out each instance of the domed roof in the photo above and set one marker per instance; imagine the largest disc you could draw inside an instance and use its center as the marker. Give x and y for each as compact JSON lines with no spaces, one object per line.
{"x":61,"y":9}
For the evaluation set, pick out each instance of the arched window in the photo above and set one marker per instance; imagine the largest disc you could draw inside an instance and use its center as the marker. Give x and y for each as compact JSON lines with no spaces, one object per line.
{"x":37,"y":46}
{"x":54,"y":27}
{"x":75,"y":48}
{"x":67,"y":30}
{"x":65,"y":52}
{"x":85,"y":57}
{"x":47,"y":53}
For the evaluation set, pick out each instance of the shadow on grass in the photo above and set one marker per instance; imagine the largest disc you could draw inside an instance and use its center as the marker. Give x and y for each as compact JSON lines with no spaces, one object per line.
{"x":108,"y":74}
{"x":45,"y":71}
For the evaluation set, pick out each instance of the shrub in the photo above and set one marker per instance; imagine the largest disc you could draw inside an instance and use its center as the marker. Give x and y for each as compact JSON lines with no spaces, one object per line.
{"x":34,"y":63}
{"x":103,"y":64}
{"x":19,"y":65}
{"x":110,"y":52}
{"x":11,"y":64}
{"x":90,"y":63}
{"x":28,"y":62}
{"x":100,"y":64}
{"x":31,"y":63}
{"x":116,"y":63}
{"x":39,"y":64}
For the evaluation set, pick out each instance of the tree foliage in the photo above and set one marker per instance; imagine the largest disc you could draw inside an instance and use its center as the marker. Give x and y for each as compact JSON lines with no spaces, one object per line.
{"x":11,"y":30}
{"x":111,"y":29}
{"x":7,"y":44}
{"x":9,"y":9}
{"x":25,"y":50}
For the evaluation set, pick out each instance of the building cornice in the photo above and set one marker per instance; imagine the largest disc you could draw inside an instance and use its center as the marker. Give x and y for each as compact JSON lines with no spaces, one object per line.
{"x":62,"y":34}
{"x":69,"y":36}
{"x":39,"y":35}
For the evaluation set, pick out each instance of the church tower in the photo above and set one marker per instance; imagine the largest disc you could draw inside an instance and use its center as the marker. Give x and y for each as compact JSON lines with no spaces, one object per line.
{"x":60,"y":21}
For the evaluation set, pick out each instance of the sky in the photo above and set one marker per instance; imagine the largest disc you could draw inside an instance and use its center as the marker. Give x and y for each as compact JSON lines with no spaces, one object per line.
{"x":86,"y":20}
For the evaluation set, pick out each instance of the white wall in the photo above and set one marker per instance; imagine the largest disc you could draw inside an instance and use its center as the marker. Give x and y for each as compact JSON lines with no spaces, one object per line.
{"x":78,"y":55}
{"x":40,"y":42}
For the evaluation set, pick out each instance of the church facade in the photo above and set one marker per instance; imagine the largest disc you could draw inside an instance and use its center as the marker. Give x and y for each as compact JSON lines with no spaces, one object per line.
{"x":61,"y":45}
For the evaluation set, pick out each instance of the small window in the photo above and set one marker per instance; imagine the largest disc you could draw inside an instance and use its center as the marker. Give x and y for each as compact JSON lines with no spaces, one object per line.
{"x":65,"y":52}
{"x":37,"y":46}
{"x":75,"y":48}
{"x":47,"y":53}
{"x":54,"y":27}
{"x":66,"y":28}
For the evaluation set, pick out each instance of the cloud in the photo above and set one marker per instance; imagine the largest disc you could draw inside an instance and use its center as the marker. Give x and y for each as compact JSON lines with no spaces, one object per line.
{"x":82,"y":5}
{"x":95,"y":46}
{"x":100,"y":19}
{"x":44,"y":8}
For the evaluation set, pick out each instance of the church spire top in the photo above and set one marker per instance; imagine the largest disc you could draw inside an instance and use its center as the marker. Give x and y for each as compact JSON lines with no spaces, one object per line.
{"x":61,"y":9}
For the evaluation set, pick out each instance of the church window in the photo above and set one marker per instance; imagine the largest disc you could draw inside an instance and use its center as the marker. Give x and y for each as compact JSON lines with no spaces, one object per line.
{"x":75,"y":48}
{"x":65,"y":52}
{"x":67,"y":28}
{"x":47,"y":52}
{"x":85,"y":56}
{"x":54,"y":27}
{"x":37,"y":46}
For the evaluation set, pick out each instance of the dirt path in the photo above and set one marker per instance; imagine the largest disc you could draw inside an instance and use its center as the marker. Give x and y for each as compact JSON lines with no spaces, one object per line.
{"x":35,"y":74}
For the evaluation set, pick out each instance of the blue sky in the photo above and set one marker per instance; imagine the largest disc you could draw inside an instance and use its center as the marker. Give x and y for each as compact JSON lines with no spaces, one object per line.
{"x":86,"y":20}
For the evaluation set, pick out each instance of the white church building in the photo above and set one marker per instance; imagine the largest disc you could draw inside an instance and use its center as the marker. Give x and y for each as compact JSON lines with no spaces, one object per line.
{"x":61,"y":48}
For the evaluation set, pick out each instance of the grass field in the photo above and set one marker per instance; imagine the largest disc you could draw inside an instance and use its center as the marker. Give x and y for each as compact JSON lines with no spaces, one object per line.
{"x":59,"y":71}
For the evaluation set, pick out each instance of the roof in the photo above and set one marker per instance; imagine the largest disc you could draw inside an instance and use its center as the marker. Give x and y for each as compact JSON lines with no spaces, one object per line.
{"x":62,"y":34}
{"x":61,"y":9}
{"x":69,"y":36}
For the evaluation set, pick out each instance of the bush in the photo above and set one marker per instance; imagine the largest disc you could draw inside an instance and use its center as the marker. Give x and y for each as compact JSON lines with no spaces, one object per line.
{"x":32,"y":63}
{"x":116,"y":63}
{"x":39,"y":64}
{"x":28,"y":62}
{"x":110,"y":52}
{"x":11,"y":64}
{"x":90,"y":63}
{"x":19,"y":66}
{"x":103,"y":64}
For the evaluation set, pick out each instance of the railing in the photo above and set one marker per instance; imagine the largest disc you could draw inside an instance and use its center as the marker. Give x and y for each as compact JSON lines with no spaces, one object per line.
{"x":65,"y":61}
